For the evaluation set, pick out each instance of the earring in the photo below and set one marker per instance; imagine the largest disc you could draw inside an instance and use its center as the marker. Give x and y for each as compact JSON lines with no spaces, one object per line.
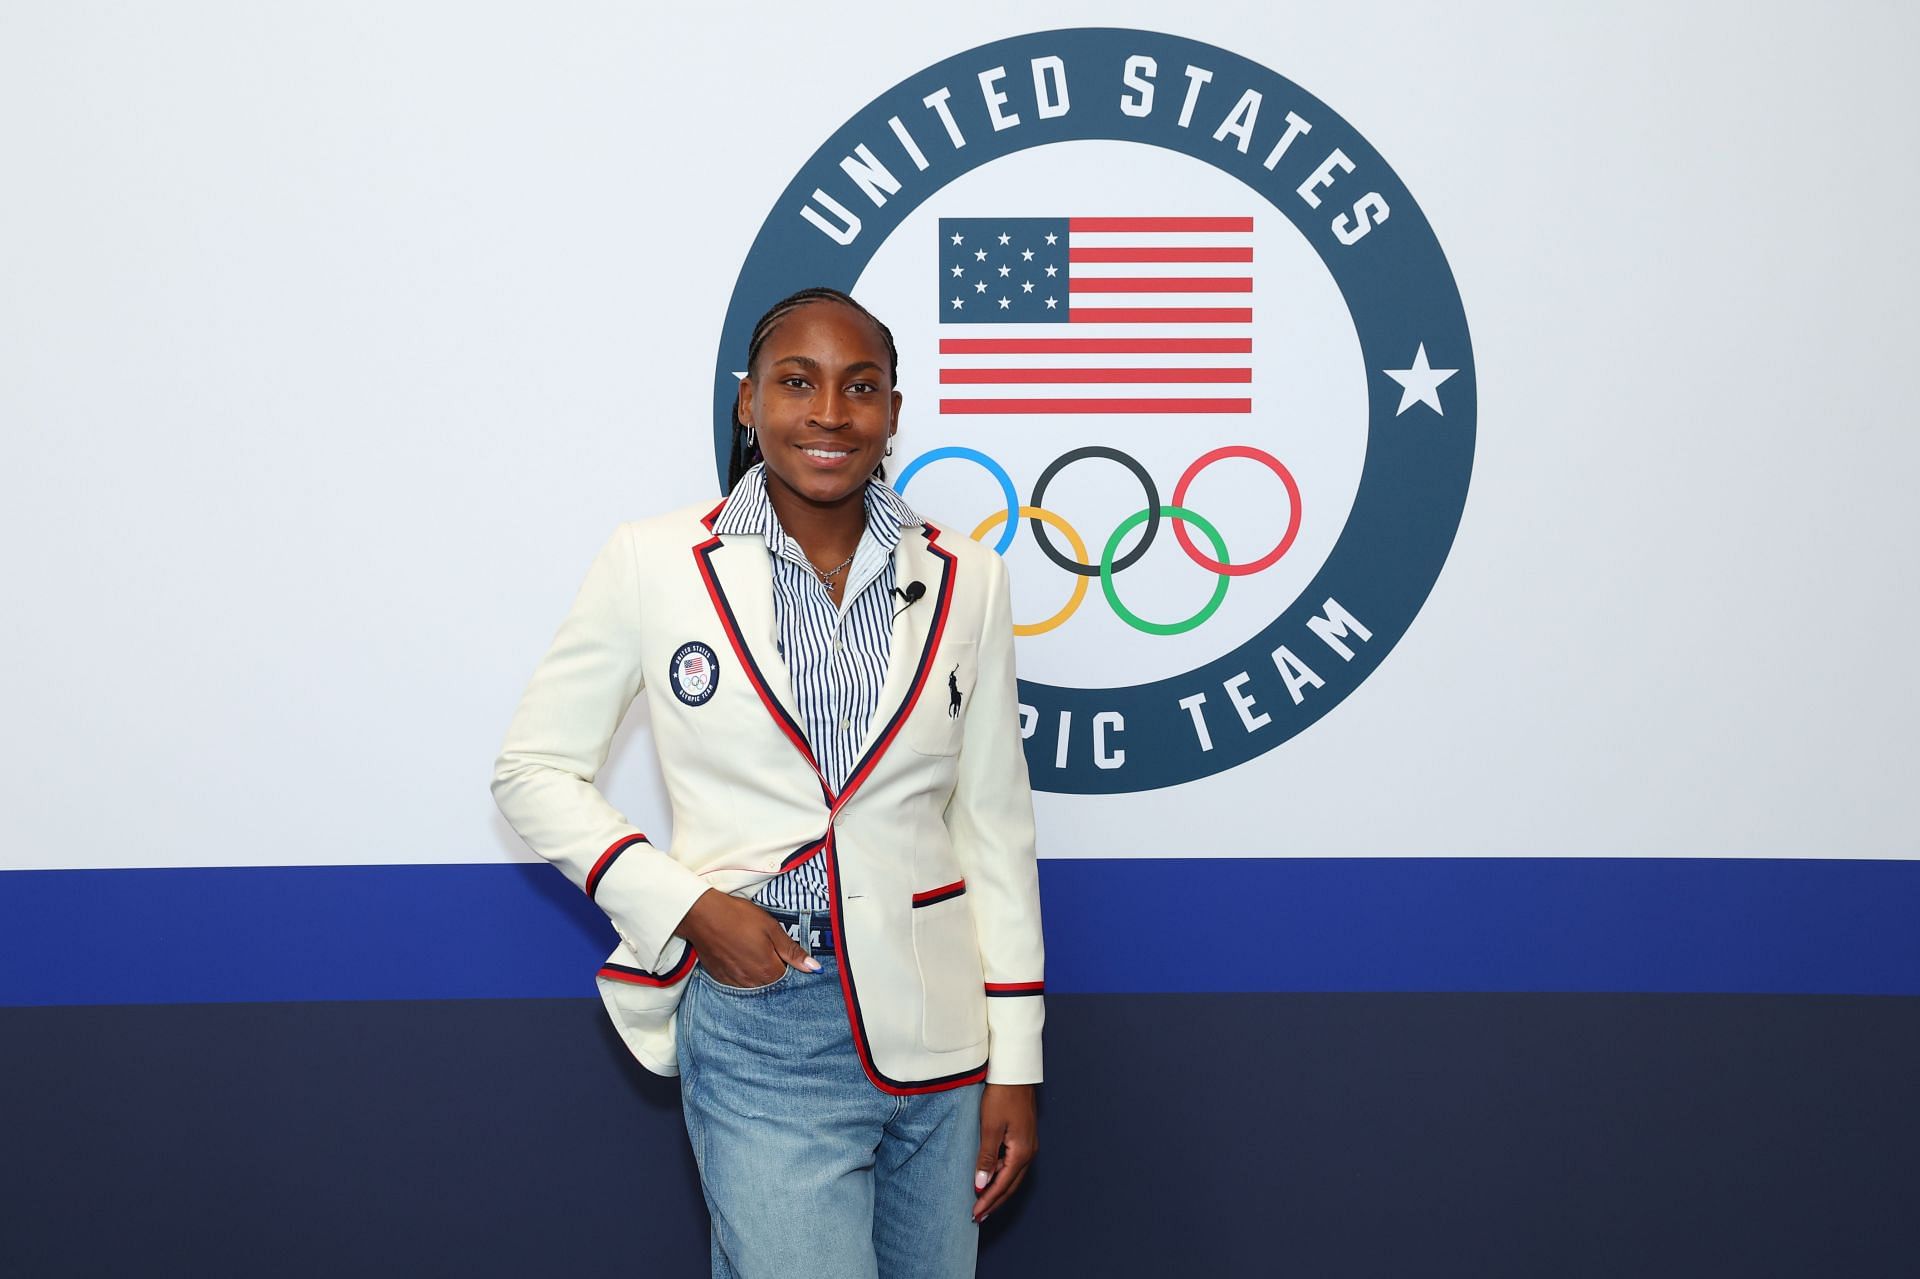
{"x":889,"y":450}
{"x":749,"y":431}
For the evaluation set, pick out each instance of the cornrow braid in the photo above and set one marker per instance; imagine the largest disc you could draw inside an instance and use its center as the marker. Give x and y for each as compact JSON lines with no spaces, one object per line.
{"x":746,"y":450}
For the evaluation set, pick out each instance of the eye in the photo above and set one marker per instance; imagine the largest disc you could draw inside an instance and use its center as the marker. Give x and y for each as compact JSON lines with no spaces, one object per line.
{"x":794,"y":380}
{"x":863,"y":388}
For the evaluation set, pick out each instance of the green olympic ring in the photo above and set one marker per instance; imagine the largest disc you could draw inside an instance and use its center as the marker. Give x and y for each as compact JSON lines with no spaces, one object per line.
{"x":1125,"y":614}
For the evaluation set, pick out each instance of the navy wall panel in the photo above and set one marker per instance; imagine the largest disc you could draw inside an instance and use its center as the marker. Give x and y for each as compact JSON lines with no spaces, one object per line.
{"x":1226,"y":1134}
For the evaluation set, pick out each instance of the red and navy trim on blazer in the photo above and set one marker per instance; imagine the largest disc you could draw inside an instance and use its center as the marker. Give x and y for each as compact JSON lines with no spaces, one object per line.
{"x":934,"y":896}
{"x":943,"y":599}
{"x":703,"y":556}
{"x":849,"y":984}
{"x":849,"y":992}
{"x":606,"y":860}
{"x":802,"y":854}
{"x":641,"y":977}
{"x":1003,"y":989}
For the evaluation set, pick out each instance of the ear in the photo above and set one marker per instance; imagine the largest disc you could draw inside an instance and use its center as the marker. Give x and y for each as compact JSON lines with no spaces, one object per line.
{"x":894,"y":425}
{"x":743,"y":407}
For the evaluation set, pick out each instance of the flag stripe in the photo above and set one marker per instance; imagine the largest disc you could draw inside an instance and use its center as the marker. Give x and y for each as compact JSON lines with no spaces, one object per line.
{"x":1096,"y":346}
{"x":1159,"y":224}
{"x":1161,"y":315}
{"x":1161,"y":376}
{"x":1161,"y":284}
{"x":1096,"y":406}
{"x":1191,"y":253}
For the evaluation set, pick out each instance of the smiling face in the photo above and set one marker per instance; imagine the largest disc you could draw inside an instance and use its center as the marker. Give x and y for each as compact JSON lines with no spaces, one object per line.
{"x":821,"y":398}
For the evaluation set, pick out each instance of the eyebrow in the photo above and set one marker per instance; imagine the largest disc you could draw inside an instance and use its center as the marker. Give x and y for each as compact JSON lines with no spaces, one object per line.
{"x":808,"y":362}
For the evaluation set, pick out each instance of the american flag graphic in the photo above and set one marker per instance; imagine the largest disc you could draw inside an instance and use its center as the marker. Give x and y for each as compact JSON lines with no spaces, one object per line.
{"x":1096,"y":315}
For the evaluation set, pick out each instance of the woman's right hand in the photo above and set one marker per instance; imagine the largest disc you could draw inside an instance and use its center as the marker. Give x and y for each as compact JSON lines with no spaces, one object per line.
{"x":738,"y":943}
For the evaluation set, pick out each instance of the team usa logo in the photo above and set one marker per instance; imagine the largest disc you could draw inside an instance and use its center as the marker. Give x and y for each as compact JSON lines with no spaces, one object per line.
{"x":693,"y":673}
{"x":1177,"y":343}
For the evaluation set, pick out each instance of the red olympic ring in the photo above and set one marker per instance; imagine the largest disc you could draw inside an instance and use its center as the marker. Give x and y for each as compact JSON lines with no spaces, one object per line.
{"x":1200,"y":464}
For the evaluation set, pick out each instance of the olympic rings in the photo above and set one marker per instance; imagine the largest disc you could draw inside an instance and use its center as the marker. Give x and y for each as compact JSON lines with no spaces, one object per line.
{"x":1140,"y":623}
{"x":994,"y":469}
{"x":1110,"y":563}
{"x":1268,"y":560}
{"x":1079,"y":592}
{"x":1060,"y":464}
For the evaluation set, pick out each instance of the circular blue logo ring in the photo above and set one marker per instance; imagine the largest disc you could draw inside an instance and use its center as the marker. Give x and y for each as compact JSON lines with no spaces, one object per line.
{"x":997,"y":471}
{"x":1399,"y":291}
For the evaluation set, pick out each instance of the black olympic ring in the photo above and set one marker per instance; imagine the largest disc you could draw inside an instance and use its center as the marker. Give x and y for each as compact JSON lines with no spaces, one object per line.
{"x":1112,"y":455}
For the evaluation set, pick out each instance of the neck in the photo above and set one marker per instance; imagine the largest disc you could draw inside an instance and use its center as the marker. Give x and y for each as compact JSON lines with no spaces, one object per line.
{"x":827,"y":531}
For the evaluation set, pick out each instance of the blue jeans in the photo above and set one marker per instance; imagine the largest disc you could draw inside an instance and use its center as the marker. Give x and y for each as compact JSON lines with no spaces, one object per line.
{"x":807,"y":1167}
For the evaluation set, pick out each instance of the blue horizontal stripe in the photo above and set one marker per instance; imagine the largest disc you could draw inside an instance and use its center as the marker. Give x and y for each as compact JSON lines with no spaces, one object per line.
{"x":1113,"y":926}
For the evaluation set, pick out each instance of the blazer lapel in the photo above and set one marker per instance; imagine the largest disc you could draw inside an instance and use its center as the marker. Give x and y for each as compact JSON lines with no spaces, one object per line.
{"x":917,"y":628}
{"x":739,"y":579}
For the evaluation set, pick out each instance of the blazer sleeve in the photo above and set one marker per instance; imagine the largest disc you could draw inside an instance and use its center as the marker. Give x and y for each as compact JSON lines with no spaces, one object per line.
{"x":557,"y":744}
{"x":990,"y":821}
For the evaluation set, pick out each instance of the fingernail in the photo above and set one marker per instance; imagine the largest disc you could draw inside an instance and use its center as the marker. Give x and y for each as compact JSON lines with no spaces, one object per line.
{"x":811,"y":964}
{"x":980,"y":1180}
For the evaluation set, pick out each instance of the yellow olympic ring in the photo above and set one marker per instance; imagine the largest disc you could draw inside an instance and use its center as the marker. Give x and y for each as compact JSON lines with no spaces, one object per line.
{"x":1073,"y":539}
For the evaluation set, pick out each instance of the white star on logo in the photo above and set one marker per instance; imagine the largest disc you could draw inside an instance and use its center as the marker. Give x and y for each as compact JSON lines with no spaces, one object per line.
{"x":1049,"y":304}
{"x":1026,"y":286}
{"x":980,"y":286}
{"x":1005,"y":271}
{"x":958,"y":238}
{"x":959,"y":271}
{"x":1004,"y":304}
{"x":1004,"y":237}
{"x":980,"y":255}
{"x":1420,"y":384}
{"x":958,"y":304}
{"x":1051,"y":237}
{"x":1053,"y":270}
{"x":1026,"y":255}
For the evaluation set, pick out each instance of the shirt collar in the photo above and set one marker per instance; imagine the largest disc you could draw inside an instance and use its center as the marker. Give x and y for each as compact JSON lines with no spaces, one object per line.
{"x":749,"y":510}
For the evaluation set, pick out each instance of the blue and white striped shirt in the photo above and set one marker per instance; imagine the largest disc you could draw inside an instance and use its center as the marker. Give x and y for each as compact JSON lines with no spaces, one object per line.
{"x":837,"y":654}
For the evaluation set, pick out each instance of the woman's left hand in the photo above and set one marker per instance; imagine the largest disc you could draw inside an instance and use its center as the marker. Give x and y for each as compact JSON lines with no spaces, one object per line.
{"x":1009,"y":1139}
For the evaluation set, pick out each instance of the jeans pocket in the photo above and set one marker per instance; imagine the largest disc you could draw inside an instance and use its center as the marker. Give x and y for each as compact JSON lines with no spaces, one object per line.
{"x":786,"y":971}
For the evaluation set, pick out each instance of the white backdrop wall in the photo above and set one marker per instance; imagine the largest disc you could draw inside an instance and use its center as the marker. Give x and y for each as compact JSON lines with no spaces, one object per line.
{"x":334,"y":340}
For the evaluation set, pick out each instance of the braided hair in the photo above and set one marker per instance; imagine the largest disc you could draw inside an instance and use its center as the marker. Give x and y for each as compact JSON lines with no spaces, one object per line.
{"x":745,"y":453}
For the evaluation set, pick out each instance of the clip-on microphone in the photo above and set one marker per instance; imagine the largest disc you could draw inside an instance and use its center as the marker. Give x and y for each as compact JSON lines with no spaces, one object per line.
{"x":912,"y":594}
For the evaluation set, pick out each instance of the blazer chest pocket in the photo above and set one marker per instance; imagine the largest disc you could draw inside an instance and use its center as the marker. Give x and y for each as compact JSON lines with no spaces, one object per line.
{"x":940,"y":717}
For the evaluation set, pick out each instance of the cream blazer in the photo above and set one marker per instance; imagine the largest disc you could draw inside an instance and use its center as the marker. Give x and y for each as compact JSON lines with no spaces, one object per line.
{"x":929,"y":847}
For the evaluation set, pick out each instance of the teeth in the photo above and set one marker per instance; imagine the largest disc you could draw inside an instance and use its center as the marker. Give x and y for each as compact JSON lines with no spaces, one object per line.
{"x":826,"y":452}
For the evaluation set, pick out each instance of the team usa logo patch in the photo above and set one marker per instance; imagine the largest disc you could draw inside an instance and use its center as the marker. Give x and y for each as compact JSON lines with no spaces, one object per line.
{"x":693,"y":673}
{"x":1177,"y":343}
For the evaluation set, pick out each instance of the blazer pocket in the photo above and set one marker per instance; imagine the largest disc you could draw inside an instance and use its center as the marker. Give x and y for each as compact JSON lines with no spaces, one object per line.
{"x":954,"y":1015}
{"x":939,"y":719}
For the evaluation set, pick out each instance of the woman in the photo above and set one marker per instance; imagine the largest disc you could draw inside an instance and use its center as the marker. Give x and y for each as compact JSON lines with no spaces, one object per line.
{"x":840,"y":955}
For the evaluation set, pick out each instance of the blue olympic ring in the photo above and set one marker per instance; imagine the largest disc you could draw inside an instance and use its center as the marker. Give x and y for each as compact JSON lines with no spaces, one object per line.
{"x":994,"y":469}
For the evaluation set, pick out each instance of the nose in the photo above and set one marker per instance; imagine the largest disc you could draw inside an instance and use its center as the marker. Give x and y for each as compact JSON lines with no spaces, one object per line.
{"x":830,"y":409}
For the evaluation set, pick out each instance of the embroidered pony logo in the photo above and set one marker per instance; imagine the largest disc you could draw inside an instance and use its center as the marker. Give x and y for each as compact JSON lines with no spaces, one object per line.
{"x":953,"y":693}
